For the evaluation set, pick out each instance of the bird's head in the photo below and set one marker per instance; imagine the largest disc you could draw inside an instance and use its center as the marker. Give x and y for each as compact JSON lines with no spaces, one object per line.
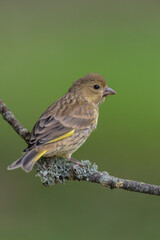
{"x":92,"y":87}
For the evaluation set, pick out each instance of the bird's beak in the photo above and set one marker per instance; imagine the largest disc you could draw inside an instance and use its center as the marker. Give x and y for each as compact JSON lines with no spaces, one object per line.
{"x":108,"y":91}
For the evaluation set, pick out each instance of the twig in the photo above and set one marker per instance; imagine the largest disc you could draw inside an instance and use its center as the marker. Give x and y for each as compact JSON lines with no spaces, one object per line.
{"x":54,"y":170}
{"x":15,"y":124}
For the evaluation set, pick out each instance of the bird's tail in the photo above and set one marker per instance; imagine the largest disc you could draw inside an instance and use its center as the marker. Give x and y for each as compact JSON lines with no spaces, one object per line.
{"x":27,"y":161}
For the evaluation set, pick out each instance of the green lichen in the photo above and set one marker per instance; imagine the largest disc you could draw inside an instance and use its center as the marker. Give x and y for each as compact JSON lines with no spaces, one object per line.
{"x":105,"y":177}
{"x":52,"y":171}
{"x":85,"y":170}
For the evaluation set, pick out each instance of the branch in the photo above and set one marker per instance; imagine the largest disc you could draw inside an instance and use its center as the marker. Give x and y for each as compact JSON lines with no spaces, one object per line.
{"x":15,"y":124}
{"x":54,"y":170}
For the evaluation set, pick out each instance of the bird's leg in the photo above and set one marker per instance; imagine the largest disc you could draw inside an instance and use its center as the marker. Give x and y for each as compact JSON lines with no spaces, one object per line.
{"x":74,"y":161}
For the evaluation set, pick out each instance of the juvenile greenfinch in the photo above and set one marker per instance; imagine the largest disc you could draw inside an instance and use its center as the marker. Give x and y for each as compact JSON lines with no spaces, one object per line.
{"x":67,"y":123}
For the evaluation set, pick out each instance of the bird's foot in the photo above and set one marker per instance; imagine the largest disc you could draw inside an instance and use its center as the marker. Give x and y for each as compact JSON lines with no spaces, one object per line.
{"x":77,"y":163}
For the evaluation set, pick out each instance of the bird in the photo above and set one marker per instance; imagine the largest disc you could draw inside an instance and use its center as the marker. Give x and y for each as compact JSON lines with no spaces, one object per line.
{"x":67,"y":123}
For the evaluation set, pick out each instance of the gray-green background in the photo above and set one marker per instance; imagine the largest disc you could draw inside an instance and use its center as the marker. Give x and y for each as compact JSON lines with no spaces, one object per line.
{"x":44,"y":47}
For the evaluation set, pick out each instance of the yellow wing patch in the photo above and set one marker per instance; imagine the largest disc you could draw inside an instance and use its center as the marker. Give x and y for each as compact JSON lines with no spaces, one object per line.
{"x":62,"y":137}
{"x":35,"y":159}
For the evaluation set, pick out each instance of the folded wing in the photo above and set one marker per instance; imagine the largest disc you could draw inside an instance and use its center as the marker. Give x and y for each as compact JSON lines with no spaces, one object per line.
{"x":57,"y":123}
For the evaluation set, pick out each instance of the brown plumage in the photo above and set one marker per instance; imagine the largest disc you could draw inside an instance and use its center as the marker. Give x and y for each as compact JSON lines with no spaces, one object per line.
{"x":67,"y":123}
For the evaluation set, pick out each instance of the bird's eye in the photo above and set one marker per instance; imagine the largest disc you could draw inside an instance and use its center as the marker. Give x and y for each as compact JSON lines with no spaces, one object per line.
{"x":96,"y":86}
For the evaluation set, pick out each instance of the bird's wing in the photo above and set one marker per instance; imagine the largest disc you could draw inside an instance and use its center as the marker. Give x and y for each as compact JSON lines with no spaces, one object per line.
{"x":56,"y":124}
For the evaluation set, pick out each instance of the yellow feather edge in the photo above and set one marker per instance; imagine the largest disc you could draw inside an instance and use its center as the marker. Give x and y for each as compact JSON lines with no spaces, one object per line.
{"x":39,"y":155}
{"x":62,"y":137}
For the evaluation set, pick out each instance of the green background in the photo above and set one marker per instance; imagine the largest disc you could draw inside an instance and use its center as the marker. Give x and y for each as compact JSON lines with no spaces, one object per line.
{"x":44,"y":47}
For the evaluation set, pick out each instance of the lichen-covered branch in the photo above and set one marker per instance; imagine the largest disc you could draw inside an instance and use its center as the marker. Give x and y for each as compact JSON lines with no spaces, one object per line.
{"x":11,"y":119}
{"x":54,"y":170}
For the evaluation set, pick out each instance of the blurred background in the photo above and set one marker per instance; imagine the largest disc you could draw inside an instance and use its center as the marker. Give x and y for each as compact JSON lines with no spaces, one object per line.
{"x":44,"y":47}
